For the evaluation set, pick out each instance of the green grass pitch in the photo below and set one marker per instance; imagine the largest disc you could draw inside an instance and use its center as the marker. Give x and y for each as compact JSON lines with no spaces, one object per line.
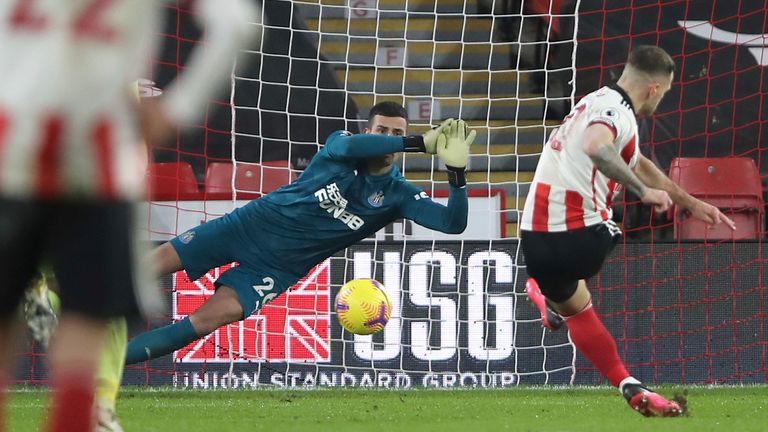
{"x":732,"y":409}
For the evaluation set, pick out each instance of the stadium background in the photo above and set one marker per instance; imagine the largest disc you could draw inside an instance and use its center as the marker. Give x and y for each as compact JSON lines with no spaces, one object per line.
{"x":682,"y":311}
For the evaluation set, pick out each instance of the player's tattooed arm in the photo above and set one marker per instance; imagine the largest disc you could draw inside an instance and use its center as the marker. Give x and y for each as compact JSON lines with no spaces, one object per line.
{"x":598,"y":145}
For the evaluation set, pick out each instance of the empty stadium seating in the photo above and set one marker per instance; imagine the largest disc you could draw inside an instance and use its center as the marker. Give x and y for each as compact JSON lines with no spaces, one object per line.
{"x":461,"y":76}
{"x":251,"y":179}
{"x":731,"y":184}
{"x":168,"y":181}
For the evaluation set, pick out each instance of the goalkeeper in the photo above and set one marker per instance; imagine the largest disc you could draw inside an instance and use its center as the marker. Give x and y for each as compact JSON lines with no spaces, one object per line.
{"x":349,"y":191}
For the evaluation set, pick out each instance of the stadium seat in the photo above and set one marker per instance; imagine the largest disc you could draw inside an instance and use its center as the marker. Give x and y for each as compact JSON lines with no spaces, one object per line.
{"x":731,"y":184}
{"x":172,"y":181}
{"x":251,"y":179}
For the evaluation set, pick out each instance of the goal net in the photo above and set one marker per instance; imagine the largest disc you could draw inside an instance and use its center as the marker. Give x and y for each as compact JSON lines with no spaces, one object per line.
{"x":682,"y":311}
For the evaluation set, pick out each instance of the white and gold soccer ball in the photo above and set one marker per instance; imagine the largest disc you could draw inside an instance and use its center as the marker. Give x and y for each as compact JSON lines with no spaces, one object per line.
{"x":363,"y":307}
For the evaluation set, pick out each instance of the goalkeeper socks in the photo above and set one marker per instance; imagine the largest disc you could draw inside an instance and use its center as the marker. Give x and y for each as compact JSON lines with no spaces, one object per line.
{"x":161,"y":341}
{"x":593,"y":340}
{"x":72,"y":409}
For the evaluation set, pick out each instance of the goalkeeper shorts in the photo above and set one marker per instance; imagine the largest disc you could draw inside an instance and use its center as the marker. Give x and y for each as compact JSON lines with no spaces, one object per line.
{"x":219,"y":242}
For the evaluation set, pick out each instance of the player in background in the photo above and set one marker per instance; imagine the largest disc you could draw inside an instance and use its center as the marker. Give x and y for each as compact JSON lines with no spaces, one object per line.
{"x":350,"y":190}
{"x":71,"y":168}
{"x":41,"y":307}
{"x":567,"y":230}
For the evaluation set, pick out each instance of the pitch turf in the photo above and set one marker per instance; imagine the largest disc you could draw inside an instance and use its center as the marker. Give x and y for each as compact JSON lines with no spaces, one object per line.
{"x":739,"y":409}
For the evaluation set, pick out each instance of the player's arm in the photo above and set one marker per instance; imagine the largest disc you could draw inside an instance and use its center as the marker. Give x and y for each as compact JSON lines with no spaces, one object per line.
{"x":598,"y":144}
{"x":344,"y":145}
{"x":228,"y":25}
{"x":450,"y":219}
{"x":453,"y":149}
{"x":652,"y":177}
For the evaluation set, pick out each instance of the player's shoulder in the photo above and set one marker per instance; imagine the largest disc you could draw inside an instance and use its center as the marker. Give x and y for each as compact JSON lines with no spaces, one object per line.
{"x":611,"y":98}
{"x":336,"y":135}
{"x":611,"y":106}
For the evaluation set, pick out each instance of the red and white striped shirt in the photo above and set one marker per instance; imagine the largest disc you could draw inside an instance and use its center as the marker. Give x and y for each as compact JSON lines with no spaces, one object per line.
{"x":568,"y":192}
{"x":67,"y":127}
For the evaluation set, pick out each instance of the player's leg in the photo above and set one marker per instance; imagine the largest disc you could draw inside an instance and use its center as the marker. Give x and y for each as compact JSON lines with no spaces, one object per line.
{"x":222,"y":308}
{"x":593,"y":340}
{"x":94,"y":253}
{"x":560,"y":264}
{"x":242,"y":291}
{"x":161,"y":260}
{"x":21,"y":245}
{"x":197,"y":251}
{"x":109,"y":375}
{"x":73,"y":358}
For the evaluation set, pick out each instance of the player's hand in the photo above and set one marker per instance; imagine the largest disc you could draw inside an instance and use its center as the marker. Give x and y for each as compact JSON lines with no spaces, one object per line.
{"x":453,"y":145}
{"x":657,"y":198}
{"x":431,"y":136}
{"x":710,"y":214}
{"x":155,"y":124}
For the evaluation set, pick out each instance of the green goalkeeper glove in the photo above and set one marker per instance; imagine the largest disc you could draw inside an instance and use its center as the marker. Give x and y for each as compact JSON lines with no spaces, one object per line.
{"x":453,"y":149}
{"x":431,"y":136}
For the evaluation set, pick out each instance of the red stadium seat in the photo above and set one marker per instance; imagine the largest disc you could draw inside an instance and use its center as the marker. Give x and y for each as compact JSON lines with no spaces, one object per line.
{"x":172,"y":181}
{"x":731,"y":184}
{"x":251,"y":179}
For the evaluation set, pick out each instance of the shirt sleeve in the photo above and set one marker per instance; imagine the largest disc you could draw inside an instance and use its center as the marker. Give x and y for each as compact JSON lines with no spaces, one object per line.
{"x":450,"y":219}
{"x":610,"y":117}
{"x":621,"y":123}
{"x":348,"y":146}
{"x":228,"y":24}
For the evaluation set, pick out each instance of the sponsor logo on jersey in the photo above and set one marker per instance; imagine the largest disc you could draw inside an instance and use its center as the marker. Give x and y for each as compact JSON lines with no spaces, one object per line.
{"x":421,"y":195}
{"x":376,"y":199}
{"x":330,"y":200}
{"x":187,"y":237}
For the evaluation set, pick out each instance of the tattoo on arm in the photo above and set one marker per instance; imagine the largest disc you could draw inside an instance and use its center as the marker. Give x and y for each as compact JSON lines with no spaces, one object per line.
{"x":608,"y":161}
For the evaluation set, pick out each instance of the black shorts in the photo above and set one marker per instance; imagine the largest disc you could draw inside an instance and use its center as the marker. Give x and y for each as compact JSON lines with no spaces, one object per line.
{"x":558,"y":260}
{"x":91,"y":246}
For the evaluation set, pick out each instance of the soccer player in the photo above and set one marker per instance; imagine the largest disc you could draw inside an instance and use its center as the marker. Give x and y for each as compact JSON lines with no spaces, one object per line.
{"x":349,"y":191}
{"x":566,"y":229}
{"x":70,"y":167}
{"x":41,"y":306}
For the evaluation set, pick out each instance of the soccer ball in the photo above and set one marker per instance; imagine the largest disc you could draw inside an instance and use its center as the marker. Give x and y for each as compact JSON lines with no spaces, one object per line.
{"x":362,"y":306}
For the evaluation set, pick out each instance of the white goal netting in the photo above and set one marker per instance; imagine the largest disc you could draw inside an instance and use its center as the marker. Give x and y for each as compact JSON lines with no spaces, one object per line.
{"x":459,"y":315}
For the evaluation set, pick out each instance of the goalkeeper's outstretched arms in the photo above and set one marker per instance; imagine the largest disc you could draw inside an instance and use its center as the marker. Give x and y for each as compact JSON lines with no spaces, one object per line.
{"x":452,"y":146}
{"x":346,"y":146}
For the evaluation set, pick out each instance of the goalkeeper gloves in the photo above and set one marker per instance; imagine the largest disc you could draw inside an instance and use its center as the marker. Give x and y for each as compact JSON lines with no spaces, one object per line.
{"x":453,"y":149}
{"x":431,"y":136}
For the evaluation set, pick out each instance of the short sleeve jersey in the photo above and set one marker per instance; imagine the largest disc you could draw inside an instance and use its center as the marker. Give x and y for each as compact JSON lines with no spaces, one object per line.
{"x":568,"y":192}
{"x":66,"y":124}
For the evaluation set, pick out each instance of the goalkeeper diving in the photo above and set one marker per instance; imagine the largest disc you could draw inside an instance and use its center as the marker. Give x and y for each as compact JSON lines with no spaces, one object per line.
{"x":350,"y":190}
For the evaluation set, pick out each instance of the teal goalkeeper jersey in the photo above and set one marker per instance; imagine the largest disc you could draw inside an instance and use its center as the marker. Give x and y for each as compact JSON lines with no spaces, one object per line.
{"x":335,"y":203}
